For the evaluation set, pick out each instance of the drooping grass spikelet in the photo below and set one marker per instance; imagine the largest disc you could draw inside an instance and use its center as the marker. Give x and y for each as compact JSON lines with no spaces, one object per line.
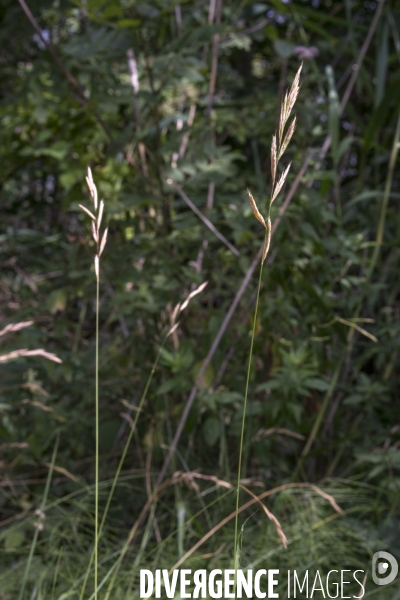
{"x":256,"y":212}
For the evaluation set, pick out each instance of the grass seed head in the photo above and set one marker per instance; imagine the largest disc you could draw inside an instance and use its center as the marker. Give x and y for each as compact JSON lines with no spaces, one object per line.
{"x":280,"y":183}
{"x":267,"y":240}
{"x":294,"y":91}
{"x":100,"y":214}
{"x":103,"y":242}
{"x":274,"y":159}
{"x":92,"y":187}
{"x":91,"y":215}
{"x":256,"y":212}
{"x":287,"y":137}
{"x":287,"y":105}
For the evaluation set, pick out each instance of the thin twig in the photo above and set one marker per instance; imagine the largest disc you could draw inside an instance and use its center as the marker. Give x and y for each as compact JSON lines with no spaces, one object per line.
{"x":205,"y":220}
{"x":214,"y":60}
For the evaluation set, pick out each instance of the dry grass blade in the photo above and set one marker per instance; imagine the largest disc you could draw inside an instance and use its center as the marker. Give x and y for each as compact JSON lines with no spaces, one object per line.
{"x":20,"y":445}
{"x":192,"y":294}
{"x":39,"y":405}
{"x":15,"y":327}
{"x":287,"y":138}
{"x":330,"y":499}
{"x":256,"y":212}
{"x":173,"y":328}
{"x":63,"y":471}
{"x":87,"y":211}
{"x":280,"y":183}
{"x":175,"y":312}
{"x":194,"y":475}
{"x":247,"y":505}
{"x":25,"y":352}
{"x":282,"y":430}
{"x":270,"y":516}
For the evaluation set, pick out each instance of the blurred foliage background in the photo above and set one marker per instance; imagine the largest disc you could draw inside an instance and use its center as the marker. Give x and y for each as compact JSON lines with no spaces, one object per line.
{"x":173,"y":105}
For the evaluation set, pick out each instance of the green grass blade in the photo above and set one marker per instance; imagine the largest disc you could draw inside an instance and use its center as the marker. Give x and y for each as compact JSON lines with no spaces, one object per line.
{"x":42,"y":508}
{"x":236,"y":555}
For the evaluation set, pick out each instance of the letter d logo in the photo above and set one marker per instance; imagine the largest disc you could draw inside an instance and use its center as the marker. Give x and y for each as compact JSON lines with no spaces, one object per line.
{"x":382,"y":568}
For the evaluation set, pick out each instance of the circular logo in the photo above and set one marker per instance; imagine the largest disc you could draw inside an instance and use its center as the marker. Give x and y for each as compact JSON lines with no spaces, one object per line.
{"x":381,"y":568}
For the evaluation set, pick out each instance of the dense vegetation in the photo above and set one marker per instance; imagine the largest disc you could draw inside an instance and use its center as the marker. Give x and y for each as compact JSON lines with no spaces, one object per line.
{"x":173,"y":106}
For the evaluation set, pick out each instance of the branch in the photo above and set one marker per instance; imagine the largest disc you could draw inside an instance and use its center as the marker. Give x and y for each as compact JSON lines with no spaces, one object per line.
{"x":206,"y":221}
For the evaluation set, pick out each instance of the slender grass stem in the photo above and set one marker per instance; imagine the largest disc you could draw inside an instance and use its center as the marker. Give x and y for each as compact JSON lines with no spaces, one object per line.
{"x":96,"y":509}
{"x":42,"y":509}
{"x":235,"y":560}
{"x":122,"y":459}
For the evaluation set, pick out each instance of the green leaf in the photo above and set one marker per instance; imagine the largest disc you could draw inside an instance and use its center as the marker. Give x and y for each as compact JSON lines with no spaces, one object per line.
{"x":283,"y":48}
{"x":57,"y":301}
{"x":134,"y":23}
{"x":211,"y":430}
{"x":58,"y":150}
{"x":13,"y":539}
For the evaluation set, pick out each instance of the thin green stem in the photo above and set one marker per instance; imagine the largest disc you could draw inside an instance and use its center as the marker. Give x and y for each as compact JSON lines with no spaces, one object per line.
{"x":244,"y":417}
{"x":53,"y":589}
{"x":42,"y":509}
{"x":122,"y":460}
{"x":96,"y":509}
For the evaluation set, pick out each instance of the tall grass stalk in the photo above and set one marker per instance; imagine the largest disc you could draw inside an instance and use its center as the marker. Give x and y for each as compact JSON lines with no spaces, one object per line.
{"x":96,"y":222}
{"x":122,"y":460}
{"x":280,"y":142}
{"x":100,"y":242}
